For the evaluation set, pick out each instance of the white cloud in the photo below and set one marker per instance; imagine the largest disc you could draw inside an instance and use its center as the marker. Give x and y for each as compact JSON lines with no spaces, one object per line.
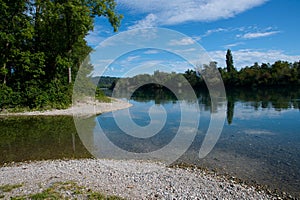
{"x":131,"y":58}
{"x":152,"y":51}
{"x":180,"y":11}
{"x":258,"y":34}
{"x":181,"y":51}
{"x":148,"y":22}
{"x":228,"y":46}
{"x":247,"y":57}
{"x":94,"y":37}
{"x":183,"y":42}
{"x":209,"y":32}
{"x":196,"y":38}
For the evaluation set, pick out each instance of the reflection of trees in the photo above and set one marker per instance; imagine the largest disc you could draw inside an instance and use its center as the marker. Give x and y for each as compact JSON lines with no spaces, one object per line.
{"x":35,"y":138}
{"x":265,"y":98}
{"x":278,"y":99}
{"x":149,"y":92}
{"x":230,"y":111}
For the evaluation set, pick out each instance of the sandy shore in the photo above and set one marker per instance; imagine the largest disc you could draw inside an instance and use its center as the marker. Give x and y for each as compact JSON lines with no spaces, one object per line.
{"x":142,"y":180}
{"x":88,"y":107}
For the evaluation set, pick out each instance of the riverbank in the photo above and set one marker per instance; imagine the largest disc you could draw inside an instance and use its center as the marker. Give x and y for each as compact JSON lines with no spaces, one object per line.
{"x":86,"y":108}
{"x":127,"y":179}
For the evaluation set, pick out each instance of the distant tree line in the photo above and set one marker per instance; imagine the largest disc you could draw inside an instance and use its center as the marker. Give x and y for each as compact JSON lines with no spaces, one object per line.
{"x":280,"y":73}
{"x":42,"y":45}
{"x":105,"y":81}
{"x":157,"y":81}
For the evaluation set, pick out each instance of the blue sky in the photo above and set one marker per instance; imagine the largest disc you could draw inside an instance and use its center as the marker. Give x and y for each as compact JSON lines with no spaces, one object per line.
{"x":255,"y":30}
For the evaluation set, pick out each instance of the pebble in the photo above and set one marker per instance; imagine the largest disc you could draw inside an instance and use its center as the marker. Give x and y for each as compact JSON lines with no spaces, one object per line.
{"x":129,"y":179}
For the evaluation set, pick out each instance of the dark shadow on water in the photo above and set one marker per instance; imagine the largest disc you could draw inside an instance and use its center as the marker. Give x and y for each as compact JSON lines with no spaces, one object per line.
{"x":39,"y":138}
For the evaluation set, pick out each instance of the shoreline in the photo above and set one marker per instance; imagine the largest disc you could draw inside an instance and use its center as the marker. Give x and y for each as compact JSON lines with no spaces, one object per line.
{"x":88,"y":108}
{"x":85,"y":108}
{"x":130,"y":179}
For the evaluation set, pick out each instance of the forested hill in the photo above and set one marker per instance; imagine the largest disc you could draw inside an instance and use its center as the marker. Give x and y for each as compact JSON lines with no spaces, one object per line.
{"x":42,"y":46}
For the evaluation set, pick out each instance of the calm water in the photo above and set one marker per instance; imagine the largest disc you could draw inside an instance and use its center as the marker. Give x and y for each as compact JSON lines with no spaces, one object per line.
{"x":260,"y":141}
{"x":39,"y":138}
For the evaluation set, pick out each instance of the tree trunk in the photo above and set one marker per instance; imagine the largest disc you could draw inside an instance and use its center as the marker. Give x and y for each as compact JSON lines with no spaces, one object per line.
{"x":4,"y":78}
{"x":70,"y":75}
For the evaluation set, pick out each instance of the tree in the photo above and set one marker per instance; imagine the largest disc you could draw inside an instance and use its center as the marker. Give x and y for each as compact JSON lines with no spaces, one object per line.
{"x":15,"y":32}
{"x":229,"y":62}
{"x":43,"y":45}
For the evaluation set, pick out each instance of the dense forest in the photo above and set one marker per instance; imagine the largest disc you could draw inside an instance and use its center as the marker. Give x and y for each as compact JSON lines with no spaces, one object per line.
{"x":42,"y":46}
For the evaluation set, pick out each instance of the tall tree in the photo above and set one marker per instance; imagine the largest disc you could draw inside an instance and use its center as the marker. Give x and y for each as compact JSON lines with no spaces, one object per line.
{"x":229,"y":62}
{"x":15,"y":32}
{"x":43,"y":45}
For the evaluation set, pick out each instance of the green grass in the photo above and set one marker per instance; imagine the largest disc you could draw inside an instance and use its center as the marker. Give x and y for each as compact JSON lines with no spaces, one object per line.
{"x":46,"y":194}
{"x":104,"y":99}
{"x":101,"y":97}
{"x":66,"y":190}
{"x":9,"y":188}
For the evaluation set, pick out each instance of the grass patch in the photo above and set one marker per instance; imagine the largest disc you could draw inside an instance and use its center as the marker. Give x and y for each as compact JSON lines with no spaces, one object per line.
{"x":96,"y":195}
{"x":9,"y":188}
{"x":101,"y":97}
{"x":67,"y":190}
{"x":46,"y":194}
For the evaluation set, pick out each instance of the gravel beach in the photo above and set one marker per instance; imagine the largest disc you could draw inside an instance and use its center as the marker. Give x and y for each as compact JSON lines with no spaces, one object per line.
{"x":144,"y":180}
{"x":85,"y":108}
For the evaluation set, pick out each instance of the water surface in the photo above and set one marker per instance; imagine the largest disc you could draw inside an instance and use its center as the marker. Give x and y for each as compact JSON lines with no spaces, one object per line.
{"x":260,"y":141}
{"x":39,"y":138}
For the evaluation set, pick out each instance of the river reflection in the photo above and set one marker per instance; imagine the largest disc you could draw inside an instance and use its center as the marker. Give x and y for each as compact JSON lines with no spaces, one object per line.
{"x":259,"y":143}
{"x":39,"y":138}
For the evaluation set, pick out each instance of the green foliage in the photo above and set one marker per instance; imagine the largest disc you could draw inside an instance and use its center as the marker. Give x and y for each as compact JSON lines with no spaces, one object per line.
{"x":278,"y":74}
{"x":281,"y":73}
{"x":229,"y":62}
{"x":105,"y":81}
{"x":173,"y":81}
{"x":40,"y":41}
{"x":6,"y":95}
{"x":100,"y":96}
{"x":192,"y":77}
